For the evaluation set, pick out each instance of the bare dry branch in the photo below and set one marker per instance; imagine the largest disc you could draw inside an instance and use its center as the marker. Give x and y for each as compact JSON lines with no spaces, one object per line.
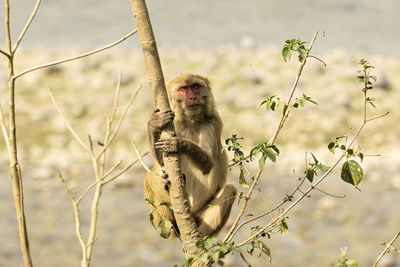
{"x":26,"y":27}
{"x":140,"y":157}
{"x":124,"y":169}
{"x":72,"y":131}
{"x":75,"y":57}
{"x":115,"y":131}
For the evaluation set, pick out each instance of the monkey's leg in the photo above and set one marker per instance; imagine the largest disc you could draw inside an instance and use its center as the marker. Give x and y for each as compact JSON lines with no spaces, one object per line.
{"x":155,"y":191}
{"x":212,"y":217}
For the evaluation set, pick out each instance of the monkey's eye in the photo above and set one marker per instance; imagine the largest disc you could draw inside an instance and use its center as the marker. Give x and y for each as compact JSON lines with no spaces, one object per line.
{"x":183,"y":88}
{"x":196,"y":86}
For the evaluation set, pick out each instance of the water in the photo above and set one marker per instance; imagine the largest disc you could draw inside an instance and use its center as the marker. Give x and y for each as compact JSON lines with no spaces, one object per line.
{"x":361,"y":26}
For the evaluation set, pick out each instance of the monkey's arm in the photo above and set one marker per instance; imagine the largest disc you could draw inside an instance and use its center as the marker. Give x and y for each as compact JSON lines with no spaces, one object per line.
{"x":158,"y":121}
{"x":199,"y":156}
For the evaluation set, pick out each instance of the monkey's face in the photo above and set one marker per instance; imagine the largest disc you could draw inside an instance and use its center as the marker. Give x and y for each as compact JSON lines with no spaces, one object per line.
{"x":191,"y":94}
{"x":191,"y":97}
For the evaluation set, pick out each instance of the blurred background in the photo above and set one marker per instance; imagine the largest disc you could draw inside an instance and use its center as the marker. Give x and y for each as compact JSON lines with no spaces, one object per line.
{"x":237,"y":44}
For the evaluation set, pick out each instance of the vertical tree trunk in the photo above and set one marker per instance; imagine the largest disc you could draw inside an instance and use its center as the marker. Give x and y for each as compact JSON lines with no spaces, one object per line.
{"x":179,"y":200}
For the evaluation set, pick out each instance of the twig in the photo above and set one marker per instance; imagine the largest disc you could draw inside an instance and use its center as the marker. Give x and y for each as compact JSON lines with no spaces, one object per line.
{"x":75,"y":57}
{"x":140,"y":157}
{"x":285,"y":113}
{"x":72,"y":131}
{"x":229,"y":235}
{"x":251,"y":238}
{"x":97,"y":181}
{"x":386,"y":250}
{"x":5,"y":53}
{"x":125,"y":111}
{"x":26,"y":27}
{"x":245,"y":260}
{"x":124,"y":170}
{"x":109,"y":122}
{"x":75,"y":205}
{"x":317,"y":58}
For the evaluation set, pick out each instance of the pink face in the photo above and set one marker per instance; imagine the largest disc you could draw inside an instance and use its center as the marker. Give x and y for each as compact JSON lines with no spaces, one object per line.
{"x":190,"y":93}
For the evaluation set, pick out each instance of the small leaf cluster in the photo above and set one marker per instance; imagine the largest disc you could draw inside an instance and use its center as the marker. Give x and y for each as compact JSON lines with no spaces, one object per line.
{"x":301,"y":101}
{"x":351,"y":171}
{"x":294,"y":45}
{"x":272,"y":102}
{"x":315,"y":166}
{"x":344,"y":261}
{"x":165,"y":225}
{"x":260,"y":247}
{"x":232,"y":144}
{"x":214,"y":250}
{"x":283,"y":227}
{"x":365,"y":77}
{"x":266,"y":151}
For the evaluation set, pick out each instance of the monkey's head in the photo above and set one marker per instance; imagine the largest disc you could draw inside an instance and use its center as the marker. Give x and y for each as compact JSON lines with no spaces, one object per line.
{"x":191,"y":98}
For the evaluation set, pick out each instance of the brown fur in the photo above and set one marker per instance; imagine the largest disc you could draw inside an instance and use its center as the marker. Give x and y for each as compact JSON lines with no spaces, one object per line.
{"x":204,"y":164}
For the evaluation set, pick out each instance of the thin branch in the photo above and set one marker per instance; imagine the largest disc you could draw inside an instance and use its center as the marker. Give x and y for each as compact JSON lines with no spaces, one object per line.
{"x":251,"y":238}
{"x":329,"y":194}
{"x":72,"y":131}
{"x":109,"y":122}
{"x":97,"y":181}
{"x":75,"y":205}
{"x":386,"y":250}
{"x":5,"y":53}
{"x":245,"y":260}
{"x":285,"y":113}
{"x":229,"y":235}
{"x":75,"y":57}
{"x":317,"y":58}
{"x":125,"y":111}
{"x":140,"y":157}
{"x":26,"y":27}
{"x":124,"y":169}
{"x":378,"y":117}
{"x":271,"y":141}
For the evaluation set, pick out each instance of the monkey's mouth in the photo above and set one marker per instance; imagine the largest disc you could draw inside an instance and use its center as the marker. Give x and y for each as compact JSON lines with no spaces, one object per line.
{"x":193,"y":106}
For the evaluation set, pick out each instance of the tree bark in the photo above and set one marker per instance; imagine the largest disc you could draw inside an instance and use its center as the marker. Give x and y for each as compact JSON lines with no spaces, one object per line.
{"x":179,"y":201}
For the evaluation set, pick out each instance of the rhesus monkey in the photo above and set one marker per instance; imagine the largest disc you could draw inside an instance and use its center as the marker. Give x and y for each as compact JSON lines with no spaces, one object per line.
{"x":203,"y":162}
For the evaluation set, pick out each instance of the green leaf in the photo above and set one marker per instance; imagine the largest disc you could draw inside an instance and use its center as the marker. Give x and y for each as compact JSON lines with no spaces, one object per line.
{"x":151,"y":219}
{"x":361,"y":156}
{"x":331,"y":147}
{"x":284,"y":229}
{"x":261,"y":162}
{"x":352,"y":172}
{"x":302,"y":55}
{"x":310,"y":174}
{"x":166,"y":227}
{"x":323,"y":168}
{"x":242,"y":180}
{"x":270,"y":154}
{"x":314,"y":158}
{"x":264,"y":249}
{"x":240,"y":197}
{"x":286,"y":53}
{"x":373,"y":77}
